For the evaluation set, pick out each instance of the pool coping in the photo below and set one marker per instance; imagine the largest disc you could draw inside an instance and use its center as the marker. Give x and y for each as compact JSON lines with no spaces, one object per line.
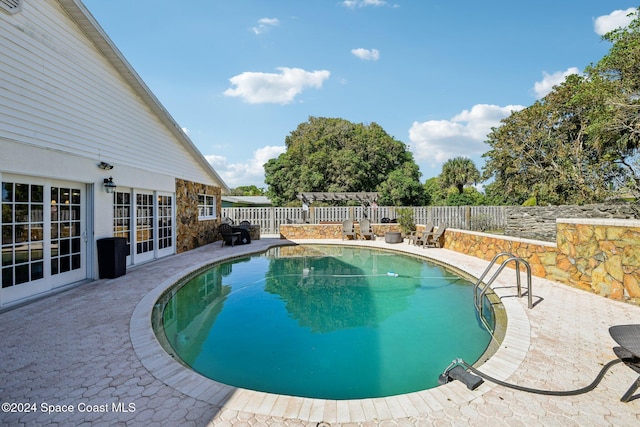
{"x":171,"y":372}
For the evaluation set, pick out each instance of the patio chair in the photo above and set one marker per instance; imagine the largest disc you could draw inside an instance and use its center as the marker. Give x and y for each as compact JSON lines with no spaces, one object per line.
{"x":433,"y":239}
{"x":365,"y":230}
{"x":244,"y":224}
{"x":347,"y":229}
{"x":229,"y":236}
{"x":416,"y":237}
{"x":628,"y":337}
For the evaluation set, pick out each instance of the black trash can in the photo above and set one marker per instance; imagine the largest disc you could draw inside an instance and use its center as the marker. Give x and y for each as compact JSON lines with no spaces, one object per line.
{"x":112,"y":257}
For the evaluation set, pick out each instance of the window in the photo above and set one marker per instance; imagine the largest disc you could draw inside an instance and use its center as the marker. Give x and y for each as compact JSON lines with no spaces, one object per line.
{"x":206,"y":207}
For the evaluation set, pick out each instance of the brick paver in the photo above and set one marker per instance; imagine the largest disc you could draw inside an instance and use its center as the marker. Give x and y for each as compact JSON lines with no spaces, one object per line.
{"x":73,"y":351}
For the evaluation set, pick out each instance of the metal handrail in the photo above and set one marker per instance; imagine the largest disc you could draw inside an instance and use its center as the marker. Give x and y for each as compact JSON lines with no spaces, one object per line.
{"x":478,"y":297}
{"x":486,"y":270}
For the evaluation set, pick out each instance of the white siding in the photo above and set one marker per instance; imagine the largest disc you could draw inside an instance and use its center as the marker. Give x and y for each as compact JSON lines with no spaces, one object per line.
{"x":59,"y":93}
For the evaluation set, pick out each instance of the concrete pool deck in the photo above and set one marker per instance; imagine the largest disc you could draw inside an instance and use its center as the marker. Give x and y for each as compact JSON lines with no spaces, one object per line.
{"x":91,"y":350}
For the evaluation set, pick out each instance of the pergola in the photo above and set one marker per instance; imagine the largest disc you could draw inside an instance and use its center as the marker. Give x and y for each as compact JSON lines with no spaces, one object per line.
{"x":365,"y":198}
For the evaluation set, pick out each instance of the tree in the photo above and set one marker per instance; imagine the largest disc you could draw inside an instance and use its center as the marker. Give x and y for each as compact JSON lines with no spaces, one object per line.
{"x":469,"y":197}
{"x":335,"y":155}
{"x":618,"y":127}
{"x":246,"y":190}
{"x":546,"y":150}
{"x":402,"y":187}
{"x":579,"y":144}
{"x":458,"y":172}
{"x":434,"y":193}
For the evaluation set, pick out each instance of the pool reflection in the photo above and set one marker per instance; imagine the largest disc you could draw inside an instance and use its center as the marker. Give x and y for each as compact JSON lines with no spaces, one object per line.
{"x":333,"y":292}
{"x":190,"y":311}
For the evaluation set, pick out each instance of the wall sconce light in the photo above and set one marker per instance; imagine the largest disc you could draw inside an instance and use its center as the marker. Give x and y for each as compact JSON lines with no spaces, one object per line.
{"x":109,"y":185}
{"x":105,"y":166}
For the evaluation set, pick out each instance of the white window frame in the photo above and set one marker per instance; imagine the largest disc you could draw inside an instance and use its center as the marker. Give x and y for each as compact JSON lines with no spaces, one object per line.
{"x":207,"y":210}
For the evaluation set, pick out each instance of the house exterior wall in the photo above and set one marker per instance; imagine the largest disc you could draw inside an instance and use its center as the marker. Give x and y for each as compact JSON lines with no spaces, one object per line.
{"x":64,"y":108}
{"x":191,"y":231}
{"x":61,"y":94}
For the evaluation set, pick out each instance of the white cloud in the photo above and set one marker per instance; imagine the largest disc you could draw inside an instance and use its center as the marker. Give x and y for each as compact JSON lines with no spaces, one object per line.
{"x":282,"y":88}
{"x":218,"y":162}
{"x":366,"y":54}
{"x":265,"y":24}
{"x":250,"y":172}
{"x":185,"y":130}
{"x":435,"y":141}
{"x":352,"y":4}
{"x":543,"y":87}
{"x":616,"y":19}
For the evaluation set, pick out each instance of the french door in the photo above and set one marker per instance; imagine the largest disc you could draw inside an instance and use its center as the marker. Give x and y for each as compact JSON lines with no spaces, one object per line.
{"x":144,"y":226}
{"x":43,"y":235}
{"x":164,"y":223}
{"x":146,"y":220}
{"x":122,"y":219}
{"x":68,"y":234}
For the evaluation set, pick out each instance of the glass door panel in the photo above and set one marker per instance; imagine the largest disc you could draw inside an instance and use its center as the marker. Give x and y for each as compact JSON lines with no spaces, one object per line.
{"x":165,"y":225}
{"x":144,"y":227}
{"x":22,"y":233}
{"x":67,"y":241}
{"x":122,"y":217}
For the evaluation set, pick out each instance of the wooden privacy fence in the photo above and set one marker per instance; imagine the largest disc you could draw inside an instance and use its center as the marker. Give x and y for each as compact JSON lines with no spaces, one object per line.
{"x":479,"y":218}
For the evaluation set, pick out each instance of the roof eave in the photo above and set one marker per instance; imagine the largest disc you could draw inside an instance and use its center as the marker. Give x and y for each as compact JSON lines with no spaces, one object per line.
{"x":88,"y":24}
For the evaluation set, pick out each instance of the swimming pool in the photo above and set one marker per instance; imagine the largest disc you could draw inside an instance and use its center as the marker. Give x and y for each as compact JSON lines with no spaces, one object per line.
{"x":327,"y":322}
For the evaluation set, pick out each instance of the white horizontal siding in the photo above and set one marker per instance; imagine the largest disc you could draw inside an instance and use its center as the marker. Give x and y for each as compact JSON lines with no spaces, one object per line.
{"x":58,"y":92}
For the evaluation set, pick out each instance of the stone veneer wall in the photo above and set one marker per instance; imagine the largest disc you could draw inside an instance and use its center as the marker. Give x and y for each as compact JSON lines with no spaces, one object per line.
{"x":601,"y":255}
{"x":327,"y":231}
{"x":597,"y":255}
{"x":539,"y":222}
{"x":190,"y":232}
{"x":540,"y":255}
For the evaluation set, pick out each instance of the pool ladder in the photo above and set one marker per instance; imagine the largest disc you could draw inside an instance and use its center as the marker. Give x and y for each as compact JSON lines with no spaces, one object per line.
{"x":477,"y":297}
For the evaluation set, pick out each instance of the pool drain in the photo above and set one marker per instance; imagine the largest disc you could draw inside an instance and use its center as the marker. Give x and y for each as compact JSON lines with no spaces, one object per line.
{"x":323,"y":424}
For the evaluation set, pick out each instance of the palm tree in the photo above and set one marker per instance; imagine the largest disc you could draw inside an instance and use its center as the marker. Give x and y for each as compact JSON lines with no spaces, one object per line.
{"x":458,"y":172}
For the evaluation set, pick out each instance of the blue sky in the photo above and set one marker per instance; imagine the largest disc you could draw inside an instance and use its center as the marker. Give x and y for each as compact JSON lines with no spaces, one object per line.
{"x":240,"y":75}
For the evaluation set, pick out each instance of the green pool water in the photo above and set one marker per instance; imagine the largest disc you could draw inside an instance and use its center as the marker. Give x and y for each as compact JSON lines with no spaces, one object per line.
{"x":326,"y":322}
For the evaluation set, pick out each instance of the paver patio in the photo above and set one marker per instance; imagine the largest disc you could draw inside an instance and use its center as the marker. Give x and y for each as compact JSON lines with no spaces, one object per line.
{"x":76,"y":348}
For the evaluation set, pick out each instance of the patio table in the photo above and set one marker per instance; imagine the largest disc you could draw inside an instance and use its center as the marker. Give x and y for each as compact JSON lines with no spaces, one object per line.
{"x":393,"y":237}
{"x":245,"y":237}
